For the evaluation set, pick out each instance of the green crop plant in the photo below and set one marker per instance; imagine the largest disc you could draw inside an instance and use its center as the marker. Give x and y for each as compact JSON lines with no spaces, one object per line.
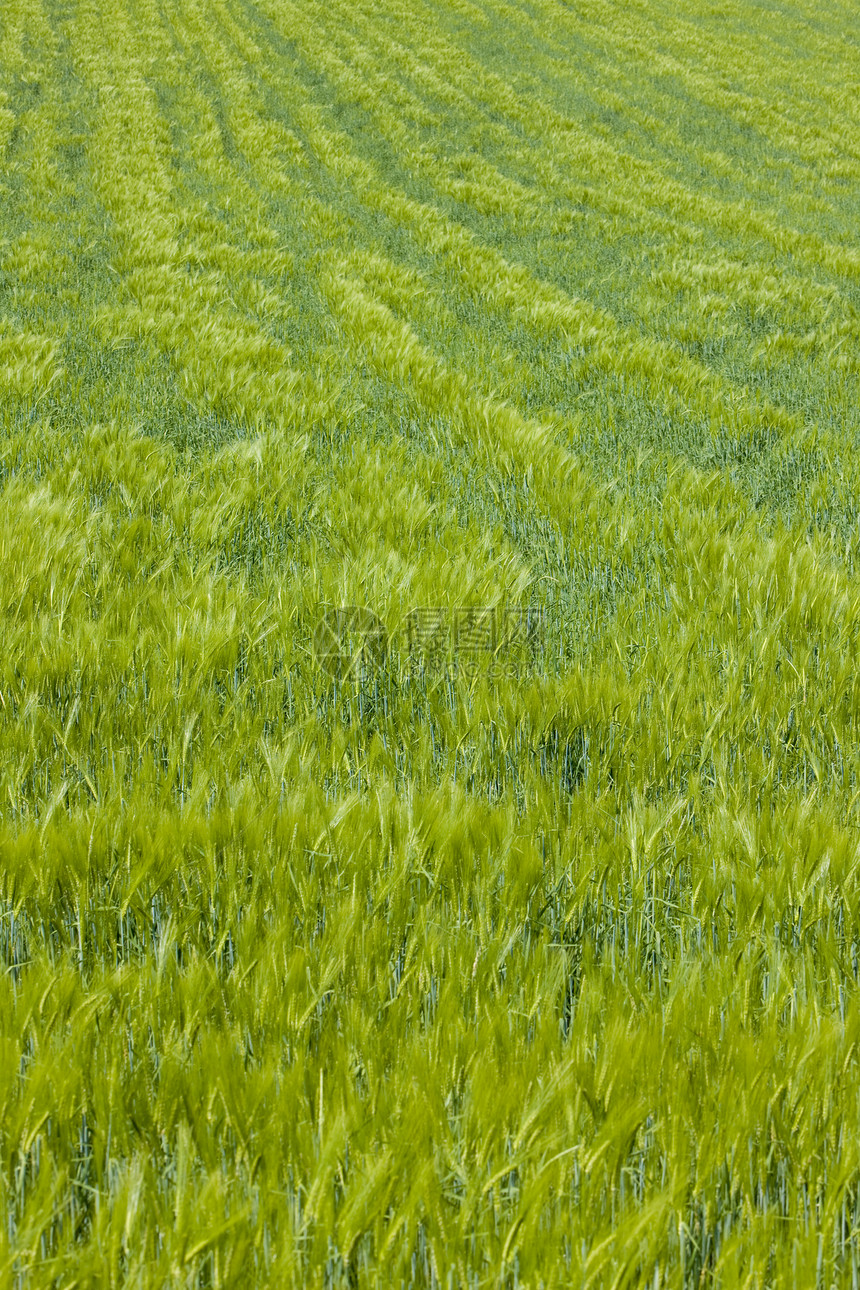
{"x":425,"y":961}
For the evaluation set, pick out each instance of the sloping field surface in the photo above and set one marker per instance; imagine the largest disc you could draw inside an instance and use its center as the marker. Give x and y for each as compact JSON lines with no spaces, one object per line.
{"x":473,"y":957}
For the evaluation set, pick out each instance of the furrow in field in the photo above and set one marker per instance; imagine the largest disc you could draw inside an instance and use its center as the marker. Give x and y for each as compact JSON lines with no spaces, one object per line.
{"x":793,"y":429}
{"x":486,"y":274}
{"x":332,"y":283}
{"x":815,"y":297}
{"x":37,"y":269}
{"x":663,"y":356}
{"x":806,"y":111}
{"x":599,"y":158}
{"x":539,"y":206}
{"x":412,"y":360}
{"x":224,"y":358}
{"x":799,"y":119}
{"x":9,"y":54}
{"x":600,"y":70}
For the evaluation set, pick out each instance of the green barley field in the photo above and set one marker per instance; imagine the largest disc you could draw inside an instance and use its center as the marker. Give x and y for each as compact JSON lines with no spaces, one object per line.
{"x":513,"y":940}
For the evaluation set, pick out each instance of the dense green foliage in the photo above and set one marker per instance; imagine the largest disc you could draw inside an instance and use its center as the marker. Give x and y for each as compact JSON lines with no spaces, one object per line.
{"x":429,"y":974}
